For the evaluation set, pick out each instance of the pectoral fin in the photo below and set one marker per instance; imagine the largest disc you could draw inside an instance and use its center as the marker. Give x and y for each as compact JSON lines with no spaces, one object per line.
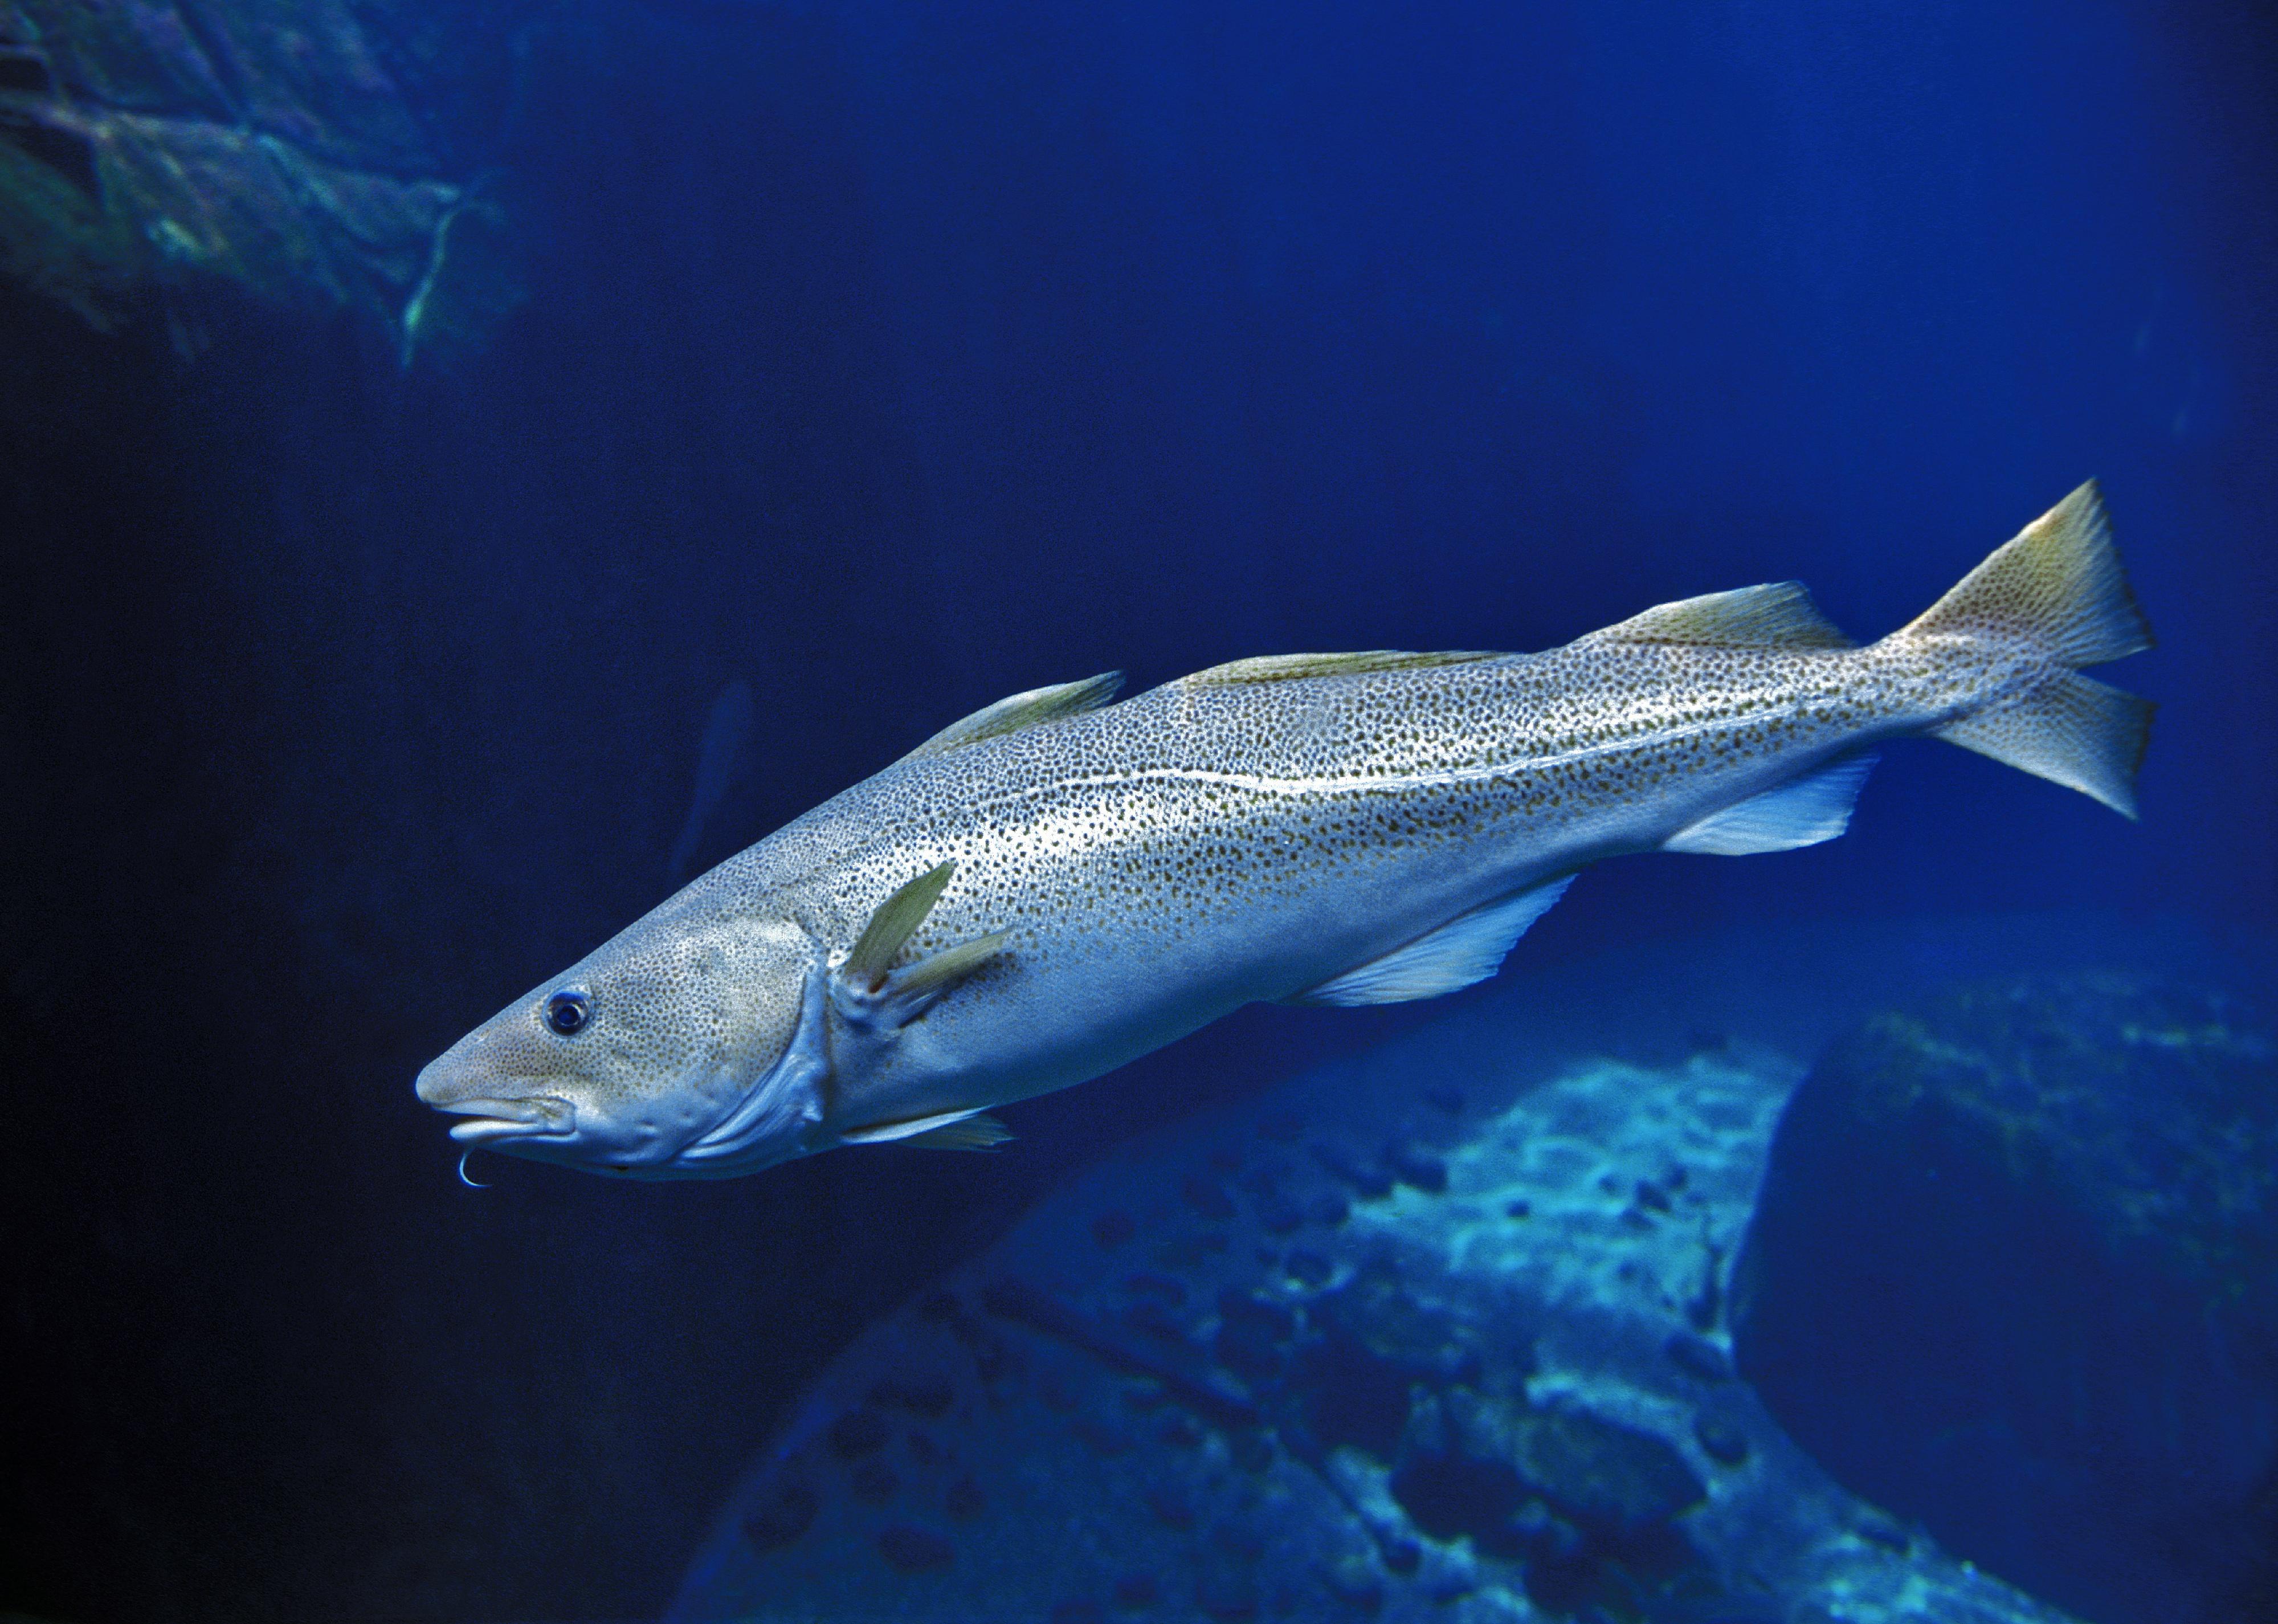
{"x":890,"y":928}
{"x":1803,"y":812}
{"x":865,"y":988}
{"x":944,"y":969}
{"x":973,"y":1130}
{"x":1468,"y":949}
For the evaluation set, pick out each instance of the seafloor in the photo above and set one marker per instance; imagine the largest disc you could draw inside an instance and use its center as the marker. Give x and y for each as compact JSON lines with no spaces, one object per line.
{"x":1438,"y":1331}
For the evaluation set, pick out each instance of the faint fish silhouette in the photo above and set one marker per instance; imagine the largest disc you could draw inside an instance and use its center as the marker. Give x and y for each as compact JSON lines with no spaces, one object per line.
{"x":726,"y":732}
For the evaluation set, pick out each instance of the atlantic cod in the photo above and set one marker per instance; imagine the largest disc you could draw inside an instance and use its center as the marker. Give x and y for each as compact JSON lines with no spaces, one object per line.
{"x":1056,"y":885}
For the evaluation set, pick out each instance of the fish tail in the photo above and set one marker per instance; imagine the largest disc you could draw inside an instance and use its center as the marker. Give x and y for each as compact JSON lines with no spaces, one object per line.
{"x":2056,"y":590}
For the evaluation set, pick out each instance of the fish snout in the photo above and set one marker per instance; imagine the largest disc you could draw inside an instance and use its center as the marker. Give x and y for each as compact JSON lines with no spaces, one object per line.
{"x":434,"y":1084}
{"x":486,"y":1064}
{"x":454,"y":1076}
{"x":465,"y":1085}
{"x":538,"y":1116}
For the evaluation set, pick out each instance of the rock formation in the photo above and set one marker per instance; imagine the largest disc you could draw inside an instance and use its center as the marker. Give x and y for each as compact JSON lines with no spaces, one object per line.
{"x":1413,"y":1346}
{"x":313,"y":156}
{"x":2015,"y":1272}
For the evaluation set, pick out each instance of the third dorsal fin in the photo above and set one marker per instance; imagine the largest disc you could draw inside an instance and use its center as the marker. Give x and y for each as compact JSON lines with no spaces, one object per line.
{"x":1776,"y":614}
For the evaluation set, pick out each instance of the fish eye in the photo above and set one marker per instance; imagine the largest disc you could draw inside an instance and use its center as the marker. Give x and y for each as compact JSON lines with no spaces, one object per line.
{"x":569,"y":1012}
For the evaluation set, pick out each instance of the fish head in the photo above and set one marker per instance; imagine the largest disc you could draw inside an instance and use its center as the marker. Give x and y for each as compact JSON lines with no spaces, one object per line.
{"x":628,"y":1062}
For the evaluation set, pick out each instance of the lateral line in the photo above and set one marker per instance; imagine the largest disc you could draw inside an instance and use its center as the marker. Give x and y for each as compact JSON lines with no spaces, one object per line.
{"x":1317,"y":786}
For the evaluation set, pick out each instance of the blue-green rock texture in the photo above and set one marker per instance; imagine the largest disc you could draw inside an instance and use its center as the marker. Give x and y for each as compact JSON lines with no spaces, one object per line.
{"x":313,"y":156}
{"x":2015,"y":1273}
{"x":1440,"y":1338}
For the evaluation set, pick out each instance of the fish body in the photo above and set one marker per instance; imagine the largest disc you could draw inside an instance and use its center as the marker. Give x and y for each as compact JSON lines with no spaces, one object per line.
{"x":1058,"y":884}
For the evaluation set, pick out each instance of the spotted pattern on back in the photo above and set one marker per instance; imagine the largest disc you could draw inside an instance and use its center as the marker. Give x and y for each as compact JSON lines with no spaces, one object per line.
{"x":1170,"y":809}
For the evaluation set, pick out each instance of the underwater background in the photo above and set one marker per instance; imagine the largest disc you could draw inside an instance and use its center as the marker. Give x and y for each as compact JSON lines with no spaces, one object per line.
{"x":469,"y":468}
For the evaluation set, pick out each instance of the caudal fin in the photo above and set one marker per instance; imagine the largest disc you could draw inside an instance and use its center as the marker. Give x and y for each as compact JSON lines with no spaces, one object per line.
{"x":2056,"y":590}
{"x":2057,"y":585}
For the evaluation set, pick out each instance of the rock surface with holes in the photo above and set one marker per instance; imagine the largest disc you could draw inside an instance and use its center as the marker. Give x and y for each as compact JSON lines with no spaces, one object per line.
{"x":1424,"y":1353}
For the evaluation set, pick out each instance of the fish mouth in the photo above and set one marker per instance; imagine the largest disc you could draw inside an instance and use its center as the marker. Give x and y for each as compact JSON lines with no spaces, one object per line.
{"x":538,"y":1116}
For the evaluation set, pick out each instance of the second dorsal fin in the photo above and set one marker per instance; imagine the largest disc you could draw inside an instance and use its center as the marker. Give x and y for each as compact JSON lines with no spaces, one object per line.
{"x":1016,"y":711}
{"x":1776,"y":614}
{"x":1289,"y":667}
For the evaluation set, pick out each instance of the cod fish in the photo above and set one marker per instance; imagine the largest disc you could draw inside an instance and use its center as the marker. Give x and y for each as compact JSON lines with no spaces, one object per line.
{"x":1057,"y":883}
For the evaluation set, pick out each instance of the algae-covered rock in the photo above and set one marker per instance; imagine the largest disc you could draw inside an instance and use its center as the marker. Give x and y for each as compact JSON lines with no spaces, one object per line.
{"x":2015,"y":1273}
{"x":308,"y":154}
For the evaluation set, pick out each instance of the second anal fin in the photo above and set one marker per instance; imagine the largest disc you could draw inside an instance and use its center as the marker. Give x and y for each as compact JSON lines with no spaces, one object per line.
{"x":1801,"y":812}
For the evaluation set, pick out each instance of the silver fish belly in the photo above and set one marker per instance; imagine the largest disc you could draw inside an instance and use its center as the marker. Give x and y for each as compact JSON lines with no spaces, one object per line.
{"x":1058,"y":884}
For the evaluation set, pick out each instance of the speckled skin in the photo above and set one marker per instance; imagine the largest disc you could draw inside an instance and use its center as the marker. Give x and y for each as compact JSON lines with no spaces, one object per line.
{"x":1168,"y":860}
{"x":1209,"y":842}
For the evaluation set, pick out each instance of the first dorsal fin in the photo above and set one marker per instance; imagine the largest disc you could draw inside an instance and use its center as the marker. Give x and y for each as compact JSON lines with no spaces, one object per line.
{"x":1289,"y":667}
{"x":1016,"y":711}
{"x":1776,"y":614}
{"x":1024,"y":709}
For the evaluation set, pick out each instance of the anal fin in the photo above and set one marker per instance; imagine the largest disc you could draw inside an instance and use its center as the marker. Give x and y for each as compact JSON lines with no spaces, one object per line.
{"x":1801,"y":812}
{"x":1468,"y":949}
{"x":973,"y":1130}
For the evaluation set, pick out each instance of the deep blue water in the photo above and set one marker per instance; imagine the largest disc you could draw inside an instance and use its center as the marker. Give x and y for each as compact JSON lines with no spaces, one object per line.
{"x":888,"y":358}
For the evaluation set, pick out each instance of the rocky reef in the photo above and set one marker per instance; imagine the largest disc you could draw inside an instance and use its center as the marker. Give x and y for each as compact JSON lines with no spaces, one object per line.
{"x":312,"y":156}
{"x":1413,"y":1344}
{"x":2015,"y":1272}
